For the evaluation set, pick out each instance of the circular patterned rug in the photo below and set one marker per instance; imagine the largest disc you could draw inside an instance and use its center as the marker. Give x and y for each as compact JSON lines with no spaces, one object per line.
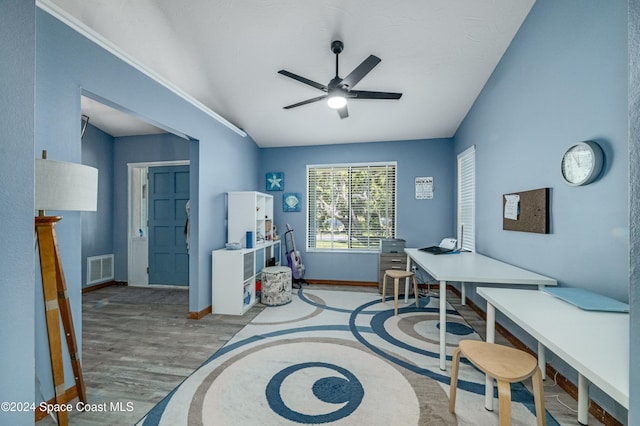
{"x":339,"y":358}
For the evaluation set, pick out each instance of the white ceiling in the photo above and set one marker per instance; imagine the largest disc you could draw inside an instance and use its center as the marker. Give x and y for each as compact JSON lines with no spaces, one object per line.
{"x":225,"y":54}
{"x":115,"y":122}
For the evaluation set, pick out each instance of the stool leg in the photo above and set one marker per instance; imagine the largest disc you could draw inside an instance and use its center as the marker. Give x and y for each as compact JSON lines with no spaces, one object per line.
{"x":396,"y":283}
{"x":384,"y":287}
{"x":455,"y":363}
{"x":504,"y":402}
{"x":415,"y":290}
{"x":538,"y":396}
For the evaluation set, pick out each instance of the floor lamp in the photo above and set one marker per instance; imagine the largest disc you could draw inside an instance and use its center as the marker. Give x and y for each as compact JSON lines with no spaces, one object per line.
{"x":68,"y":187}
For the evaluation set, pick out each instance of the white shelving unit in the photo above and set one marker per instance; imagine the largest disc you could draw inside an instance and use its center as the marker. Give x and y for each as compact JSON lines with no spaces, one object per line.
{"x":235,"y":272}
{"x":234,"y":275}
{"x":249,"y":211}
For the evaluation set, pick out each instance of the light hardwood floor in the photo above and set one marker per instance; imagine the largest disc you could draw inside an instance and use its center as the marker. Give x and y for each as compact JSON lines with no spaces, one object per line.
{"x":138,"y":345}
{"x":135,"y":352}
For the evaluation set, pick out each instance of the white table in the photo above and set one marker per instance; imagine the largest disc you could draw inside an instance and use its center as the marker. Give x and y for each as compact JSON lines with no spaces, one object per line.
{"x":596,"y":344}
{"x":468,"y":267}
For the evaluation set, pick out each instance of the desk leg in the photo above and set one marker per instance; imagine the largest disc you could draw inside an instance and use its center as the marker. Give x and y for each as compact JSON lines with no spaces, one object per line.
{"x":443,"y":325}
{"x":583,"y":400}
{"x":406,"y":291}
{"x":406,"y":283}
{"x":542,"y":360}
{"x":491,"y":338}
{"x":491,"y":323}
{"x":463,"y":293}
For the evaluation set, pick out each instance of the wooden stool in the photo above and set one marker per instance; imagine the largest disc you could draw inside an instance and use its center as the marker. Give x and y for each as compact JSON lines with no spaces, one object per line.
{"x":506,"y":365}
{"x":397,"y":274}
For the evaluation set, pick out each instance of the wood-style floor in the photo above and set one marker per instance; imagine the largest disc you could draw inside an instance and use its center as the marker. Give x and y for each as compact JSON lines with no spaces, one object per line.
{"x":137,"y":349}
{"x":138,"y":345}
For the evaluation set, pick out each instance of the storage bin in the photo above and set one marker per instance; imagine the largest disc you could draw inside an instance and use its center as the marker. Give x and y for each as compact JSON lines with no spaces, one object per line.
{"x":276,"y":286}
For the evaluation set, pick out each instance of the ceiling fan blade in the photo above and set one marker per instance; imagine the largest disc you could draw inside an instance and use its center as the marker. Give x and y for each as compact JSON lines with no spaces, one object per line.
{"x":365,"y":94}
{"x":343,"y":112}
{"x":308,"y":101}
{"x":360,"y":71}
{"x":303,"y":80}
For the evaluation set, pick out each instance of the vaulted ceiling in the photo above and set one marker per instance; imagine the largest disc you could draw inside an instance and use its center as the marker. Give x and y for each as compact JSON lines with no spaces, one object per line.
{"x":226,"y":54}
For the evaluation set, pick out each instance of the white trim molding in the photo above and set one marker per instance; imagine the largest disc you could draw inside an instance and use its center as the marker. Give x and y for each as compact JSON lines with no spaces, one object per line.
{"x":87,"y":32}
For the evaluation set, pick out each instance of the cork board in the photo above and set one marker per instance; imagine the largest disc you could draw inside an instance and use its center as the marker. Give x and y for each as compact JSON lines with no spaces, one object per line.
{"x":532,"y":211}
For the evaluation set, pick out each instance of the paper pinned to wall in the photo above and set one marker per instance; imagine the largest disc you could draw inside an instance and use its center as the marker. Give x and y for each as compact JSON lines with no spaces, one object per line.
{"x":511,"y":206}
{"x":424,"y":188}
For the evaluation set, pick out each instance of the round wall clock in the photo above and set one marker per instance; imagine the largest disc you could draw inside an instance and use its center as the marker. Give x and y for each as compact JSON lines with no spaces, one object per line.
{"x":582,"y":163}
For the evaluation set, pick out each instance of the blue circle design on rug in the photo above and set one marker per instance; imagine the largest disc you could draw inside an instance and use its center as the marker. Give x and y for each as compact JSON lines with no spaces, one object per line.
{"x":334,"y":390}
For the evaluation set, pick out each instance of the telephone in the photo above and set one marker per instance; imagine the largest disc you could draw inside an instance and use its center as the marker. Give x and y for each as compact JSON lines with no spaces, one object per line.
{"x":448,"y":243}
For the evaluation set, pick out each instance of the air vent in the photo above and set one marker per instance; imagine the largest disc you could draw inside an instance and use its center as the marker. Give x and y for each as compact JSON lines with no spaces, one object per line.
{"x":99,"y":269}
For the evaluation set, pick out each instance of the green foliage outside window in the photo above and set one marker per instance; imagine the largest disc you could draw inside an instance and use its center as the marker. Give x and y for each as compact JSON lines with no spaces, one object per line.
{"x":351,"y":206}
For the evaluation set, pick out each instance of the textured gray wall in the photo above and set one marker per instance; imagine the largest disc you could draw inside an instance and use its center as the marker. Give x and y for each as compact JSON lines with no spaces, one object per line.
{"x":634,"y":208}
{"x":17,"y":262}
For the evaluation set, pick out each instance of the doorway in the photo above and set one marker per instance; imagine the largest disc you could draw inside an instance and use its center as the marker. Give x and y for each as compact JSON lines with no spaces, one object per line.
{"x":128,"y":216}
{"x":158,"y":192}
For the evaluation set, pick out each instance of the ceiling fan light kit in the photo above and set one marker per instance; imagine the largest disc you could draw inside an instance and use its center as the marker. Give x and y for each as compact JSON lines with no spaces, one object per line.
{"x":340,"y":89}
{"x":336,"y":101}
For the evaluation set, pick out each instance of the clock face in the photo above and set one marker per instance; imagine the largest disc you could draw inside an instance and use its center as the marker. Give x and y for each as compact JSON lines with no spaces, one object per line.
{"x":582,"y":163}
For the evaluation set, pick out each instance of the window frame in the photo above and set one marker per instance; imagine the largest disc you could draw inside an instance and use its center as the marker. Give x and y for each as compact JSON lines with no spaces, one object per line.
{"x":370,"y":248}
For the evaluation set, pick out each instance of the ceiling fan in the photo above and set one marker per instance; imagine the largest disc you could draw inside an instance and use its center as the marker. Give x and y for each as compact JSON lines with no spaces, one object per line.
{"x":340,"y":89}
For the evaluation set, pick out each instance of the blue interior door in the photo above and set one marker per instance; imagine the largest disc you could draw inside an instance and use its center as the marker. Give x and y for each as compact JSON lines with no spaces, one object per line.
{"x":168,"y":196}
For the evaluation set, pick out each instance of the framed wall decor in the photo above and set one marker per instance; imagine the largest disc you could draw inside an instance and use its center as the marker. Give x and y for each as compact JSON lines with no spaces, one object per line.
{"x":275,"y":181}
{"x":424,"y":188}
{"x":291,"y":202}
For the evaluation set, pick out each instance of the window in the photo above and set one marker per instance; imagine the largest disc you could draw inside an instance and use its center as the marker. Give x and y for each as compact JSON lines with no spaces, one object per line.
{"x":467,"y":199}
{"x":350,"y":206}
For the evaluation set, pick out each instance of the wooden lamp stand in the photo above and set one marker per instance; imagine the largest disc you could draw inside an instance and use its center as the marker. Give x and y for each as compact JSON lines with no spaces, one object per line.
{"x":57,"y":307}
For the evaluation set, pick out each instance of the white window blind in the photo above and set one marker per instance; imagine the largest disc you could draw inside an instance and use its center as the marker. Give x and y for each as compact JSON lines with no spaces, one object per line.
{"x":350,"y":206}
{"x":467,"y":199}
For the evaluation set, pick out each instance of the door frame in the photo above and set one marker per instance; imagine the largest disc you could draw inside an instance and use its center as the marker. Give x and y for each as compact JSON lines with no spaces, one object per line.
{"x":137,"y":263}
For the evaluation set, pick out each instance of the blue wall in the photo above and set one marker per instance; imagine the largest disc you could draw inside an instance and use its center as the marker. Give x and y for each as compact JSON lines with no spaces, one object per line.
{"x":97,"y":227}
{"x":419,"y":222}
{"x":69,"y":64}
{"x":563,"y":80}
{"x":17,"y":118}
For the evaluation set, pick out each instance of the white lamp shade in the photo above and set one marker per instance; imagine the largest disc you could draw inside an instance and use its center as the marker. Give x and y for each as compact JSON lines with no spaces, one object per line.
{"x":65,"y":186}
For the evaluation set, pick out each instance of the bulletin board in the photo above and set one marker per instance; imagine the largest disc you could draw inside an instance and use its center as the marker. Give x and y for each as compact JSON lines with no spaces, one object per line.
{"x":526,"y":211}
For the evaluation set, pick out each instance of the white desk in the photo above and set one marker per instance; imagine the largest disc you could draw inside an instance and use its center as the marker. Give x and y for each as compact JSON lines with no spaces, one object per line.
{"x":468,"y":267}
{"x":596,"y":344}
